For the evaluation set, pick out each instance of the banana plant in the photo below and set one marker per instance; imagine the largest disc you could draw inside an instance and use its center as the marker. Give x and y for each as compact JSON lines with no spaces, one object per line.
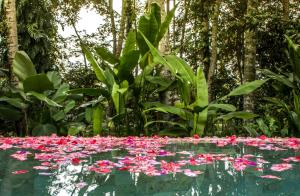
{"x":118,"y":84}
{"x":42,"y":92}
{"x":292,"y":82}
{"x":193,"y":92}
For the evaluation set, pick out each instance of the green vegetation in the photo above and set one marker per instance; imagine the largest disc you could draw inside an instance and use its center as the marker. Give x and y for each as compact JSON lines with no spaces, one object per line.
{"x":147,"y":85}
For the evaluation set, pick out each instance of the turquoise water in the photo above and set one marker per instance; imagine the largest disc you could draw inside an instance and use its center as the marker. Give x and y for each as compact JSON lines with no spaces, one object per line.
{"x":217,"y":178}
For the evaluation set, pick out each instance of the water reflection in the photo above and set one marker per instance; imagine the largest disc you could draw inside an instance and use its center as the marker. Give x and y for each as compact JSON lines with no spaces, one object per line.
{"x":219,"y":178}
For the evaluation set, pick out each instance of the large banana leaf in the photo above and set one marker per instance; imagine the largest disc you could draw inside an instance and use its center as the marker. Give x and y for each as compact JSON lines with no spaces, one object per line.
{"x":97,"y":119}
{"x":156,"y":11}
{"x":117,"y":96}
{"x":130,"y":43}
{"x":201,"y":101}
{"x":247,"y":88}
{"x":127,"y":63}
{"x":22,"y":66}
{"x":294,"y":56}
{"x":16,"y":102}
{"x":158,"y":58}
{"x":43,"y":98}
{"x":226,"y":107}
{"x":184,"y":114}
{"x":165,"y":25}
{"x":97,"y":69}
{"x":106,"y":55}
{"x":278,"y":77}
{"x":61,"y":93}
{"x":147,"y":27}
{"x":55,"y":78}
{"x":37,"y":83}
{"x":182,"y":68}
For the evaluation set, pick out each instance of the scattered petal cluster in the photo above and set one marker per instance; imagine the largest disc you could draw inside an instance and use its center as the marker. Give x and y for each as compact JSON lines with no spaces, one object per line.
{"x":147,"y":155}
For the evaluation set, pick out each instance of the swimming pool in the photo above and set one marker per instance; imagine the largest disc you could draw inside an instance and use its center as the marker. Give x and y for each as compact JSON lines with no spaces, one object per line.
{"x":149,"y":166}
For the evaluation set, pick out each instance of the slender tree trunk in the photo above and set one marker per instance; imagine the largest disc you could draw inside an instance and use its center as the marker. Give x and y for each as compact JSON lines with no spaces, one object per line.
{"x":129,"y":15}
{"x":204,"y":36}
{"x":174,"y":26}
{"x":186,"y":9}
{"x":214,"y":50}
{"x":285,"y":5}
{"x":250,"y":59}
{"x":12,"y":38}
{"x":122,"y":28}
{"x":113,"y":26}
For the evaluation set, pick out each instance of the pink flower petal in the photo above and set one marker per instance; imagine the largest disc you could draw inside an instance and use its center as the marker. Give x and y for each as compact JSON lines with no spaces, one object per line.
{"x":271,"y":177}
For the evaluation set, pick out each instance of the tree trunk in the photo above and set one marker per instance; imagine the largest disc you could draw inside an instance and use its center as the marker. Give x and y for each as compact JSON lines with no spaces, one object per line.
{"x":174,"y":26}
{"x":113,"y":25}
{"x":129,"y":15}
{"x":12,"y":37}
{"x":285,"y":6}
{"x":250,"y":59}
{"x":186,"y":9}
{"x":122,"y":28}
{"x":204,"y":36}
{"x":214,"y":50}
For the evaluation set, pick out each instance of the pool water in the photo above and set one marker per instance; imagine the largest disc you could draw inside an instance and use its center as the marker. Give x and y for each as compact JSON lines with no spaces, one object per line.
{"x":149,"y":166}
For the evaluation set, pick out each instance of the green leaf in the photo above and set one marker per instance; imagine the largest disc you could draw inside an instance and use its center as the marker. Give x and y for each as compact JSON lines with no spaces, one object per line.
{"x":97,"y":69}
{"x":156,"y":12}
{"x":44,"y":130}
{"x":294,"y":56}
{"x":130,"y":43}
{"x":263,"y":127}
{"x":106,"y":55}
{"x":116,"y":97}
{"x":70,"y":105}
{"x":158,"y":58}
{"x":61,"y":93}
{"x":10,"y":113}
{"x":97,"y":120}
{"x":75,"y":128}
{"x":226,"y":107}
{"x":247,"y":88}
{"x":43,"y":98}
{"x":22,"y":66}
{"x":159,"y":80}
{"x":127,"y":63}
{"x":169,"y":109}
{"x":181,"y":68}
{"x":165,"y":25}
{"x":165,"y":122}
{"x":55,"y":78}
{"x":94,"y":92}
{"x":16,"y":102}
{"x":88,"y":114}
{"x":60,"y":115}
{"x":251,"y":131}
{"x":240,"y":115}
{"x":38,"y":83}
{"x":201,"y":101}
{"x":278,"y":77}
{"x":295,"y":118}
{"x":148,"y":26}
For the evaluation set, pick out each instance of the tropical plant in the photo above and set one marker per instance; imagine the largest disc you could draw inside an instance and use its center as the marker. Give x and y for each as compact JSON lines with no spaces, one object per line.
{"x":39,"y":99}
{"x":291,"y":82}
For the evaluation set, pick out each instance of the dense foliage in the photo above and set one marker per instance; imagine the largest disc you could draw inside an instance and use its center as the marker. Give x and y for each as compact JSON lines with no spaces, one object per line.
{"x":170,"y":72}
